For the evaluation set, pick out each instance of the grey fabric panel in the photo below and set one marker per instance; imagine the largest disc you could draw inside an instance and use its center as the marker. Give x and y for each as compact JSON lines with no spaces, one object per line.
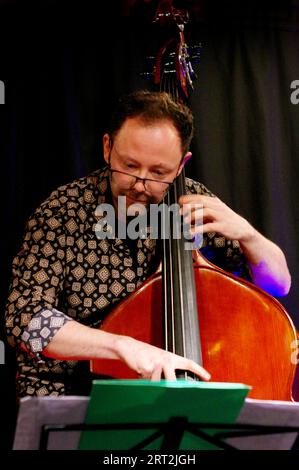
{"x":34,"y":412}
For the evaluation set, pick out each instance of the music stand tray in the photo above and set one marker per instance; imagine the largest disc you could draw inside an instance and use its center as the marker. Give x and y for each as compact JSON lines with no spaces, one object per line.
{"x":140,"y":414}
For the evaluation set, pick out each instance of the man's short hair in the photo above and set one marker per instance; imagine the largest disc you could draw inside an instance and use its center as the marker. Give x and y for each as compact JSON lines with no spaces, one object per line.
{"x":151,"y":107}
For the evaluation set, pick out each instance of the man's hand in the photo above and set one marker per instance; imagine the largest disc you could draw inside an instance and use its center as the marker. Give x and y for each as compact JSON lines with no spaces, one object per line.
{"x":210,"y":214}
{"x":266,"y":260}
{"x":153,"y":363}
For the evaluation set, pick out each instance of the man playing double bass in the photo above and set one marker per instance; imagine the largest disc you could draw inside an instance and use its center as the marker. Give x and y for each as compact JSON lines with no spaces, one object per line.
{"x":66,"y":279}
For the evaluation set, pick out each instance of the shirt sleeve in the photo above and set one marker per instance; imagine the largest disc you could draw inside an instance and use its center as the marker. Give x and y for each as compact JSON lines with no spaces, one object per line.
{"x":32,"y":318}
{"x":42,"y":328}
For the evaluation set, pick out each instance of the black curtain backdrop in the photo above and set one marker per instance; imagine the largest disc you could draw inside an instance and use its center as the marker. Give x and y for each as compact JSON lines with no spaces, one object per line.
{"x":63,"y":68}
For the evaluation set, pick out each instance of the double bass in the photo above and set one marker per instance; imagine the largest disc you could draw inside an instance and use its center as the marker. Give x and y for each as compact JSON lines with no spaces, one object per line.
{"x":189,"y":306}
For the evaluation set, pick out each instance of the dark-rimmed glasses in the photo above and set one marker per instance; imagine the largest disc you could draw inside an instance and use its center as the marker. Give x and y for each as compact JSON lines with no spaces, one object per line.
{"x":150,"y":185}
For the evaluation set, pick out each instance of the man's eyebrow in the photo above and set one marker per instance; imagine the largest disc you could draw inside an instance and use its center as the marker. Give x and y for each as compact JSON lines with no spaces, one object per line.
{"x":162,"y":166}
{"x":157,"y":166}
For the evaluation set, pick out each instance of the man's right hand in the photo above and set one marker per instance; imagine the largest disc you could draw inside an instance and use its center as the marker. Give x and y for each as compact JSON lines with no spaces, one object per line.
{"x":153,"y":363}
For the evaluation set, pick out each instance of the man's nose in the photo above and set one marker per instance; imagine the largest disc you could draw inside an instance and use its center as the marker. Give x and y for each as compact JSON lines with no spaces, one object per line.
{"x":139,"y":185}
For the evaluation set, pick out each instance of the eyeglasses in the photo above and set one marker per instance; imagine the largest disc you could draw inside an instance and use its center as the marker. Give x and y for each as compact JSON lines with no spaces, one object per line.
{"x":150,"y":185}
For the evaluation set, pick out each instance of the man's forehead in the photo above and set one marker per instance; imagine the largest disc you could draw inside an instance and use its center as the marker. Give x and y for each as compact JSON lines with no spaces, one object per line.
{"x":145,"y":123}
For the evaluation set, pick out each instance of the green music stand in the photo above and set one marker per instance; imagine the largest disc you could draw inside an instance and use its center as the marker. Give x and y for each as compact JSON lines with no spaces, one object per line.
{"x":139,"y":414}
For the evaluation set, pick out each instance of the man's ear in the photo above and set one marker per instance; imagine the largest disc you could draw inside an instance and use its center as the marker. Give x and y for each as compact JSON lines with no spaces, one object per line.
{"x":106,"y":147}
{"x":184,"y":161}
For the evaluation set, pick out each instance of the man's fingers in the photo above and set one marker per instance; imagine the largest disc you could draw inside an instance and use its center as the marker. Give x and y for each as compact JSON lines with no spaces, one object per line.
{"x":187,"y":209}
{"x":156,"y":374}
{"x":198,"y":199}
{"x":194,"y":215}
{"x":192,"y":366}
{"x":201,"y":372}
{"x":169,"y":373}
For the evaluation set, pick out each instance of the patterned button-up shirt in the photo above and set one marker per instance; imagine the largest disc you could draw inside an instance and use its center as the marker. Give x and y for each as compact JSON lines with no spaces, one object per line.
{"x":64,"y":272}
